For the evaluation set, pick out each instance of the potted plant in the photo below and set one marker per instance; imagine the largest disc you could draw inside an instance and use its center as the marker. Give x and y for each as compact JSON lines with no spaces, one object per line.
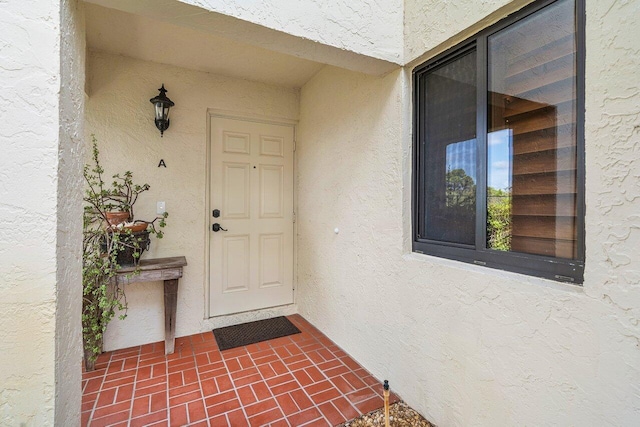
{"x":133,"y":235}
{"x":109,"y":231}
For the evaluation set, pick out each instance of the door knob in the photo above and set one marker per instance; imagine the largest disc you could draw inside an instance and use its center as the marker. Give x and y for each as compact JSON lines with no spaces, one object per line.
{"x":217,"y":227}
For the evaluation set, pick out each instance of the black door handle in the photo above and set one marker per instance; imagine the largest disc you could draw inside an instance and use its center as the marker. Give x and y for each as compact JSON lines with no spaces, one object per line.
{"x":217,"y":227}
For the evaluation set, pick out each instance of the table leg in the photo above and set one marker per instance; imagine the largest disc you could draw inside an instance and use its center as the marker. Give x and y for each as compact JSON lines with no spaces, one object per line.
{"x":170,"y":306}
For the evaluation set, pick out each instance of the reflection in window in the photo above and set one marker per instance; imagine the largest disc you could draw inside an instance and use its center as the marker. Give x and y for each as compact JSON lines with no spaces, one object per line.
{"x":502,"y":112}
{"x":499,"y":168}
{"x":532,"y":95}
{"x":449,"y":213}
{"x":461,"y":175}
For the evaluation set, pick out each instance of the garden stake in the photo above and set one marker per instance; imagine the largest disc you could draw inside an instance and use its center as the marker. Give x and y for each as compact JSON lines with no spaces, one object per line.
{"x":386,"y":403}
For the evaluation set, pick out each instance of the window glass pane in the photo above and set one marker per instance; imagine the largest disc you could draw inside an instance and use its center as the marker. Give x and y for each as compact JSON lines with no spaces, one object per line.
{"x":449,"y":119}
{"x":531,"y":153}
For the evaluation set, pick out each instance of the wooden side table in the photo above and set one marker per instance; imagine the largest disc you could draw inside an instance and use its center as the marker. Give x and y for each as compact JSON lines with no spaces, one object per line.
{"x":168,"y":270}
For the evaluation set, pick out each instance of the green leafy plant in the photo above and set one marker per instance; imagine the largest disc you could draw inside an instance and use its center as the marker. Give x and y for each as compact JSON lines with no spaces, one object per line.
{"x":499,"y":219}
{"x":460,"y":190}
{"x":102,"y":243}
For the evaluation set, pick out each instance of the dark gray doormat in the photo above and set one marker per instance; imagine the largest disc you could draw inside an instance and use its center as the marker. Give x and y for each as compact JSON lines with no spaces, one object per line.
{"x":253,"y":332}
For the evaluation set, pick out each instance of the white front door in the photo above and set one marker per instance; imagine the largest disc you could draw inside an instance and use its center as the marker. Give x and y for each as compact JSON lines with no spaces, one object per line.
{"x":251,"y":256}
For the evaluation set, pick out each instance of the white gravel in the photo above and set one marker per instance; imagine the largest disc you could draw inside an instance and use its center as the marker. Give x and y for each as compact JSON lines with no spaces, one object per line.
{"x":400,"y":415}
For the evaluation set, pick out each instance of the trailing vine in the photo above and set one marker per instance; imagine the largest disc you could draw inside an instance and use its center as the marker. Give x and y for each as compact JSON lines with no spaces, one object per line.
{"x":102,"y":296}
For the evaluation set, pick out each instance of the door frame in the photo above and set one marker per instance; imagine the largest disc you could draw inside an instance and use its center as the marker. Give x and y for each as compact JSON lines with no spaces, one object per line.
{"x":236,"y":115}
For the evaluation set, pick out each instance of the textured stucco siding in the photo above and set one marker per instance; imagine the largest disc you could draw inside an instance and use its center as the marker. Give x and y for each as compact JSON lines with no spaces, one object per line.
{"x":431,"y":24}
{"x":364,"y":36}
{"x":467,"y":345}
{"x":28,"y":169}
{"x":118,"y":112}
{"x":68,"y":335}
{"x":34,"y":231}
{"x":369,"y":27}
{"x":613,"y":160}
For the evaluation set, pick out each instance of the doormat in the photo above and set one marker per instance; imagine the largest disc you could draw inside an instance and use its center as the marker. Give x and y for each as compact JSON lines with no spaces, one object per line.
{"x":253,"y":332}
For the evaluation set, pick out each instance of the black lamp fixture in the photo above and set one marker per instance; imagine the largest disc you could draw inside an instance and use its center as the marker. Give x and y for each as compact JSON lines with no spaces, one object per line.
{"x":162,"y":105}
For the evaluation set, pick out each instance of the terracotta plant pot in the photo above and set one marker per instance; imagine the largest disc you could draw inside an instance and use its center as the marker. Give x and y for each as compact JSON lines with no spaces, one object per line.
{"x":137,"y":226}
{"x":115,"y":218}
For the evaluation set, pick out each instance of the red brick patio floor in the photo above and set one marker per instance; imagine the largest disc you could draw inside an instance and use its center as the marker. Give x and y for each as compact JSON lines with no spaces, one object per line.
{"x":299,"y":380}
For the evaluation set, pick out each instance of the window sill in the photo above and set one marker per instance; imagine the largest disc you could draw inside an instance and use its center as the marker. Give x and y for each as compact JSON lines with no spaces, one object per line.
{"x":491,"y":273}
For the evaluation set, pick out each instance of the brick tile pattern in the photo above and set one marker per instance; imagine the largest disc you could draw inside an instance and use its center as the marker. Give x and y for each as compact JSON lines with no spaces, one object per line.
{"x":299,"y":380}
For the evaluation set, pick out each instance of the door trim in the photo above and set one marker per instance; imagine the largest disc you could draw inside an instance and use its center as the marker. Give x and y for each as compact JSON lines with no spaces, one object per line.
{"x":236,"y":115}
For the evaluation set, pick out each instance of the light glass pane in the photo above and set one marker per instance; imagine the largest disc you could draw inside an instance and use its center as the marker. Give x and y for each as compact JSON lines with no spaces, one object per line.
{"x":531,"y":152}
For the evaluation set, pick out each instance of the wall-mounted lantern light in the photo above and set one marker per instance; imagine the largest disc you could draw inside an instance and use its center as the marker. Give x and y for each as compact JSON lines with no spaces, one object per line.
{"x":162,"y":105}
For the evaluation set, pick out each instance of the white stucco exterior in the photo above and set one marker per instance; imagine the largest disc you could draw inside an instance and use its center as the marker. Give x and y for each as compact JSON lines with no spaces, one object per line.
{"x":68,"y":332}
{"x":462,"y":344}
{"x":40,"y":228}
{"x":368,"y":40}
{"x":111,"y":31}
{"x":369,"y":27}
{"x":433,"y":25}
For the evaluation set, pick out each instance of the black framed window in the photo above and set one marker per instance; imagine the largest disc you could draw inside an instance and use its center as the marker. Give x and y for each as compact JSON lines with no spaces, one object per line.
{"x":498,"y":149}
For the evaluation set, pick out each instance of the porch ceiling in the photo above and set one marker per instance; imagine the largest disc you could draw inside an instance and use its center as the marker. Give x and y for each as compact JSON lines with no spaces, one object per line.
{"x":127,"y":34}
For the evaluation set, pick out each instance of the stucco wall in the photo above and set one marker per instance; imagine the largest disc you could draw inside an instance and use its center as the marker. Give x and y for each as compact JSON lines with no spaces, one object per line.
{"x":430,"y":23}
{"x":363,"y":35}
{"x":370,"y":27}
{"x":68,"y":336}
{"x":466,"y":345}
{"x":118,"y":112}
{"x":39,"y":325}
